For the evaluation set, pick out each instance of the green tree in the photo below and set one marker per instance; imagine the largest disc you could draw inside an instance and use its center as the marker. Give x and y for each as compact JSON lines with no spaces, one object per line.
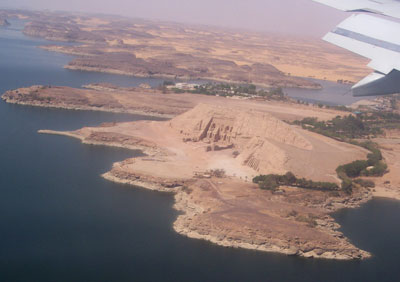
{"x":347,"y":185}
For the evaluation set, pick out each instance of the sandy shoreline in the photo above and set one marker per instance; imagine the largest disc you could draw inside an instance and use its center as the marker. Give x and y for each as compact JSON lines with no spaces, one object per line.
{"x":382,"y":192}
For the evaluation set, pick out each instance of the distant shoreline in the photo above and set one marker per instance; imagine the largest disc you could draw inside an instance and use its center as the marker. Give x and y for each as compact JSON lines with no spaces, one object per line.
{"x":87,"y":108}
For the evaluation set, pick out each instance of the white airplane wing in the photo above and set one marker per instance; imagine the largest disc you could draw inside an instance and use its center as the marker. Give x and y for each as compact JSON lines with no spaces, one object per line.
{"x":384,"y":7}
{"x":375,"y":38}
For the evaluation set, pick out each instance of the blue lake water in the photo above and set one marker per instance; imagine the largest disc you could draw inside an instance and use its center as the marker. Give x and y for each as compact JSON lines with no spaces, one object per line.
{"x":60,"y":221}
{"x":331,"y":94}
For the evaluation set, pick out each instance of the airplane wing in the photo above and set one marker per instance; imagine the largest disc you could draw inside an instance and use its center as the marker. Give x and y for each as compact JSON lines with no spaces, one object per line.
{"x":384,"y":7}
{"x":375,"y":38}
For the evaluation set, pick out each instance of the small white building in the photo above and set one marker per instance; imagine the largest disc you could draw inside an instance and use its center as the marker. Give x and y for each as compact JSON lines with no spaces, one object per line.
{"x":185,"y":86}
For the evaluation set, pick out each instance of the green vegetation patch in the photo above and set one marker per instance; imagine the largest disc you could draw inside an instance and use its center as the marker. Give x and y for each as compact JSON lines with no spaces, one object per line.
{"x":341,"y":128}
{"x":273,"y":181}
{"x":348,"y":128}
{"x":230,"y":90}
{"x":363,"y":125}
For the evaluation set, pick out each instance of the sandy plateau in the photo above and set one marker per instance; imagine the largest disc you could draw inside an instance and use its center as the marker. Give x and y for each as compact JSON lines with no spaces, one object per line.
{"x":184,"y":153}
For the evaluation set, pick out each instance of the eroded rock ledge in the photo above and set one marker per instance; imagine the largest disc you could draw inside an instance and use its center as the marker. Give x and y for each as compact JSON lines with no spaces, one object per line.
{"x":214,"y":211}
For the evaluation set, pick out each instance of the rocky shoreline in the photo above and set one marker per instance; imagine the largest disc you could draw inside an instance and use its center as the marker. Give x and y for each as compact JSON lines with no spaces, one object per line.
{"x":138,"y":182}
{"x":60,"y":49}
{"x":204,"y":201}
{"x":190,"y":210}
{"x":211,"y":208}
{"x":144,"y":101}
{"x":227,"y":211}
{"x":144,"y":149}
{"x":182,"y":226}
{"x":84,"y":108}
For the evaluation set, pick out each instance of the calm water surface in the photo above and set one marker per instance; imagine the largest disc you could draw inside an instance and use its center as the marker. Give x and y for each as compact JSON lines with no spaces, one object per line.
{"x":331,"y":94}
{"x":60,"y":221}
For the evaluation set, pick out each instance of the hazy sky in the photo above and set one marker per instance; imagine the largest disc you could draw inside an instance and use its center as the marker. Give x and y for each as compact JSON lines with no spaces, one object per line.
{"x":303,"y":17}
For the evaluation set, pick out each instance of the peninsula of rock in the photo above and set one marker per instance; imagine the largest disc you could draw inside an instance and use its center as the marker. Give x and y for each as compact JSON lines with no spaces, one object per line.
{"x":187,"y":154}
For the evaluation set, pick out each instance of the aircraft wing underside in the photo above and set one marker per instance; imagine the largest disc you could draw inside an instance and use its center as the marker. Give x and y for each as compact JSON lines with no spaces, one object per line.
{"x":389,"y":8}
{"x":372,"y":37}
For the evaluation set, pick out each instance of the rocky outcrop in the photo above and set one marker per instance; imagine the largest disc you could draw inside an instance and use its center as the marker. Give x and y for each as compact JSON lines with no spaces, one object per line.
{"x":216,"y":124}
{"x":268,"y":233}
{"x":254,"y":135}
{"x":120,"y":175}
{"x":208,"y":214}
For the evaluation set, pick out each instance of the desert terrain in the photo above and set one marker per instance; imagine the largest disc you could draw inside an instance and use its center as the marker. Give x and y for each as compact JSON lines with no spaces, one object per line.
{"x":160,"y":49}
{"x":211,"y":148}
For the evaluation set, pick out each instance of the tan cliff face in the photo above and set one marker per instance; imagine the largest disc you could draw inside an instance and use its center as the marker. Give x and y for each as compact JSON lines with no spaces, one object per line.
{"x":217,"y":124}
{"x":258,"y":140}
{"x":264,"y":157}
